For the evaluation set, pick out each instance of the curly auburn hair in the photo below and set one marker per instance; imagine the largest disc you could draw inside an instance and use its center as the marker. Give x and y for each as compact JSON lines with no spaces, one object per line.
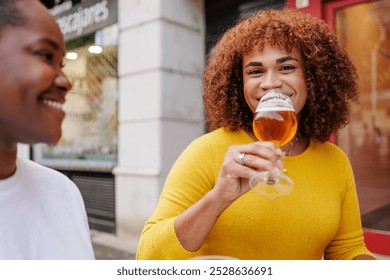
{"x":330,"y":76}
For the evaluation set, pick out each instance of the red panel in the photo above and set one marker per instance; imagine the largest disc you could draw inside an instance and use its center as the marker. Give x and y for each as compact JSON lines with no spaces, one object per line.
{"x":333,"y":139}
{"x":377,"y":241}
{"x":314,"y":8}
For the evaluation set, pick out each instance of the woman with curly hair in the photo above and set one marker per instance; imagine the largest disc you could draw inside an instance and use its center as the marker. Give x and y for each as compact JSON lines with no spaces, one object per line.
{"x":207,"y":207}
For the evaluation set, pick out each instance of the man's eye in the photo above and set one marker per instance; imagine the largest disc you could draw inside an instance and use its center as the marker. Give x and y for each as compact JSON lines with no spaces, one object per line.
{"x":46,"y":55}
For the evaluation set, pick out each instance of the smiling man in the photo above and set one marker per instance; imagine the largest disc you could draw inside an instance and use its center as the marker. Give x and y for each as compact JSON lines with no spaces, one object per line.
{"x":42,"y":211}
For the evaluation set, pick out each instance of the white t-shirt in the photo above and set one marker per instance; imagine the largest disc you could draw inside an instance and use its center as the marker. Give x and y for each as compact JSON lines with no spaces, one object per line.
{"x":42,"y":216}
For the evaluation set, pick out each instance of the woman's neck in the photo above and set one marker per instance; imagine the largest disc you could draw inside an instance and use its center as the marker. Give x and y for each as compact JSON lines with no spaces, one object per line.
{"x":296,"y":146}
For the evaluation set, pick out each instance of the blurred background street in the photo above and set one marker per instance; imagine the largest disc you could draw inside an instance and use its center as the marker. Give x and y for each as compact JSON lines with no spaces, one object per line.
{"x":103,"y":252}
{"x":109,"y":247}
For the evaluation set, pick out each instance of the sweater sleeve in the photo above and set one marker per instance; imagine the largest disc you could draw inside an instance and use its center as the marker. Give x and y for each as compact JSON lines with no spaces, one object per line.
{"x":191,"y":177}
{"x":349,"y":240}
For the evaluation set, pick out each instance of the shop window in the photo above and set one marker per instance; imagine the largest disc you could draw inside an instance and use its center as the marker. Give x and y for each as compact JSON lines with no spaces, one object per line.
{"x":89,"y":140}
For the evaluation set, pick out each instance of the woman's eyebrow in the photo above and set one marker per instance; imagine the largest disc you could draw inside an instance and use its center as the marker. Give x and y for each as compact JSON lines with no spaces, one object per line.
{"x":279,"y":60}
{"x":285,"y":58}
{"x":254,"y":63}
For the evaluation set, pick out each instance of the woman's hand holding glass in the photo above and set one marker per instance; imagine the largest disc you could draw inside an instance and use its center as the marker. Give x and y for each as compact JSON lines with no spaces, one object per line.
{"x":274,"y":124}
{"x":275,"y":121}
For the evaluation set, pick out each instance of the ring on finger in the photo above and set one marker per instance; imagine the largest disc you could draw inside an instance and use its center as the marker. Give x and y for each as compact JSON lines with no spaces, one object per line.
{"x":241,"y":157}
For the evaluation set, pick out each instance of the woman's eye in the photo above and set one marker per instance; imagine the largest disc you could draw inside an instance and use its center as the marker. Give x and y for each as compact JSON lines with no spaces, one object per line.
{"x":255,"y":72}
{"x":287,"y":68}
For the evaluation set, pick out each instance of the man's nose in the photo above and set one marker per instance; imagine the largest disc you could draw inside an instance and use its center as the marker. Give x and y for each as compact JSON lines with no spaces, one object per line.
{"x":62,"y":82}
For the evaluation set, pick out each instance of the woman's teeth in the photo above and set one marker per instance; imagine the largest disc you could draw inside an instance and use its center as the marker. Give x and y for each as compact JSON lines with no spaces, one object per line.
{"x":53,"y":104}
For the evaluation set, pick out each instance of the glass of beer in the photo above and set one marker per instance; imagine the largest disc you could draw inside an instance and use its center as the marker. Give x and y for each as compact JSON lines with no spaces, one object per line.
{"x":275,"y":121}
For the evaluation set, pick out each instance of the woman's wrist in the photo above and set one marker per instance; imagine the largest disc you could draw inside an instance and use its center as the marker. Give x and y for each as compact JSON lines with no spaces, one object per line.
{"x":218,"y":200}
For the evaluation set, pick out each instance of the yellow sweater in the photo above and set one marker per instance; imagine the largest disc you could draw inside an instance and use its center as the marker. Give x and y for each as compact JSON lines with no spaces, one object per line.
{"x":320,"y":217}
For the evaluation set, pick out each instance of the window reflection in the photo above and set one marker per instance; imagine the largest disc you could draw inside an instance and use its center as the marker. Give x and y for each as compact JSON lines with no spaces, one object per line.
{"x":364,"y":29}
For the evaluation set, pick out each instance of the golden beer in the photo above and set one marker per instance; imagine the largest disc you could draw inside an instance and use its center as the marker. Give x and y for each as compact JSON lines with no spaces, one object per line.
{"x":278,"y":127}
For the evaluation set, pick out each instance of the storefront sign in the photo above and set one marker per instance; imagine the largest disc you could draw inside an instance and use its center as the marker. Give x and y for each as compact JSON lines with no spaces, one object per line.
{"x":85,"y":18}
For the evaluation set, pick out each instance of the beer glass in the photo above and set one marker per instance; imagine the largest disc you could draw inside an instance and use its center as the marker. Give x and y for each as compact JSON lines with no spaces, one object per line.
{"x":275,"y":121}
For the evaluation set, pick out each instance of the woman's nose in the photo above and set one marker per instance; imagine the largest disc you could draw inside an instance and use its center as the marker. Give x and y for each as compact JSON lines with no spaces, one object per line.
{"x":62,"y":82}
{"x":270,"y":80}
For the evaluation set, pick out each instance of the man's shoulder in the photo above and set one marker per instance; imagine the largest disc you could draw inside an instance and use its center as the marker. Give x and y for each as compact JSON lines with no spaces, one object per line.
{"x":35,"y":172}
